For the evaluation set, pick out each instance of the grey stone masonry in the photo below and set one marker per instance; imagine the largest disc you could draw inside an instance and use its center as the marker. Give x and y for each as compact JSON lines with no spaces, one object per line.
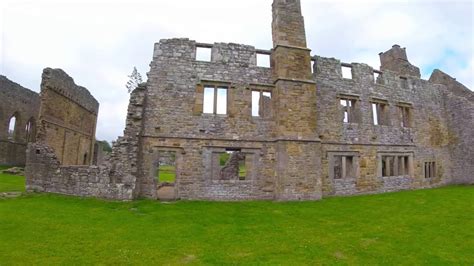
{"x":115,"y":178}
{"x":23,"y":105}
{"x":226,"y":128}
{"x":62,"y":83}
{"x":67,"y":118}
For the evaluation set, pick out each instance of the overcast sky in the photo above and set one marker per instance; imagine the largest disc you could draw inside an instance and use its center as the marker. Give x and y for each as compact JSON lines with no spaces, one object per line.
{"x":99,"y":42}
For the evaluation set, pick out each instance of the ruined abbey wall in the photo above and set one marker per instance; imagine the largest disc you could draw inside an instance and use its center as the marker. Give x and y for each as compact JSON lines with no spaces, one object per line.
{"x":174,"y":120}
{"x":67,"y":118}
{"x":229,"y":128}
{"x":115,"y":178}
{"x":424,"y":138}
{"x":23,"y":104}
{"x":458,"y":105}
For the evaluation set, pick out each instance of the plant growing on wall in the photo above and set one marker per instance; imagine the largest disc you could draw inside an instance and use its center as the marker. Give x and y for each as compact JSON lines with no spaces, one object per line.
{"x":134,"y":81}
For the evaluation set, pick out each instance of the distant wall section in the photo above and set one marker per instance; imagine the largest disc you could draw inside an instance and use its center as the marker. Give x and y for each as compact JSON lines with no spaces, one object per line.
{"x":18,"y":115}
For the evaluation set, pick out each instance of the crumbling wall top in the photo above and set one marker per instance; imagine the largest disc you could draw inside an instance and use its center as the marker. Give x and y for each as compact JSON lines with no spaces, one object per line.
{"x":439,"y":77}
{"x":15,"y":90}
{"x":231,"y":54}
{"x":396,"y":60}
{"x":60,"y":82}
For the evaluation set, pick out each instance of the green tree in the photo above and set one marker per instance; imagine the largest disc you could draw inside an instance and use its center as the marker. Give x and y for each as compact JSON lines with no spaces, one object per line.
{"x":105,"y":145}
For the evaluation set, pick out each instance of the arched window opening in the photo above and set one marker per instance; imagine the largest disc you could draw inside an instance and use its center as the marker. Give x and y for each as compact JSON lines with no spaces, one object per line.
{"x":11,"y":128}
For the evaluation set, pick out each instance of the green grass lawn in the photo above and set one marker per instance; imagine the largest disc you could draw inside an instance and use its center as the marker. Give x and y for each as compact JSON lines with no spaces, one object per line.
{"x":11,"y":183}
{"x":430,"y":227}
{"x":166,"y":173}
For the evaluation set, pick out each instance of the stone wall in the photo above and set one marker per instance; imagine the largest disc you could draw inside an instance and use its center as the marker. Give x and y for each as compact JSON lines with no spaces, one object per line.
{"x":67,"y":118}
{"x":396,"y":60}
{"x":23,"y":104}
{"x":115,"y":178}
{"x":427,"y":137}
{"x":174,"y":120}
{"x":319,"y":135}
{"x":458,"y":103}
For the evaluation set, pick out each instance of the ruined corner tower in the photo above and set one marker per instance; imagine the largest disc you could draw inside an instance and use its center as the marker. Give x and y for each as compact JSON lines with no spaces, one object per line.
{"x":298,"y":160}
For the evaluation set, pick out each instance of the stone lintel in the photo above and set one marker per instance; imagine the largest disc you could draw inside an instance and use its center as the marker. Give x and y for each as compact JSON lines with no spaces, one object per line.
{"x":295,"y":80}
{"x":291,"y":47}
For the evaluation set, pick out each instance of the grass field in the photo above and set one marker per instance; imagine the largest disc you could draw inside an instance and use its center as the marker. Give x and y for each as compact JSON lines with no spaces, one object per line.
{"x":166,"y":173}
{"x":430,"y":227}
{"x":11,"y":183}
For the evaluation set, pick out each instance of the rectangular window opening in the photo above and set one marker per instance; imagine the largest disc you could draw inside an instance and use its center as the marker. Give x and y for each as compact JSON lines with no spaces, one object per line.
{"x":404,"y":82}
{"x":396,"y":165}
{"x":377,"y":76}
{"x":375,"y":114}
{"x":203,"y":54}
{"x":346,"y":72}
{"x":263,"y":60}
{"x":430,"y":169}
{"x":232,"y":165}
{"x":215,"y":100}
{"x":261,"y":101}
{"x":349,"y":110}
{"x":344,"y":167}
{"x":208,"y":100}
{"x":404,"y":116}
{"x":221,"y":101}
{"x":380,"y":114}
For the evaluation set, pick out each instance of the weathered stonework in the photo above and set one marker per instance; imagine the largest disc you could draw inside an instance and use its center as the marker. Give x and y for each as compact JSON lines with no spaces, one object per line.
{"x":67,"y":118}
{"x":115,"y":178}
{"x":23,"y":104}
{"x":316,"y":133}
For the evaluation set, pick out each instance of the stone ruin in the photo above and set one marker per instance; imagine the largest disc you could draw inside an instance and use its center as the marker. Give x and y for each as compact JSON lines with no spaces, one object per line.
{"x":304,"y":128}
{"x":18,"y":115}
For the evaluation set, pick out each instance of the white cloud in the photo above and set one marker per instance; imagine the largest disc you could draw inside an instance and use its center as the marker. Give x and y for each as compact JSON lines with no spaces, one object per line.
{"x":99,"y":41}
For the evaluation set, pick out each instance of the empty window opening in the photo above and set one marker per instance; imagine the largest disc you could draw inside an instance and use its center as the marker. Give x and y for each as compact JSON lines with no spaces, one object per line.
{"x":261,"y":102}
{"x":166,"y":168}
{"x":209,"y":100}
{"x":375,"y":114}
{"x":313,"y":66}
{"x":380,"y":114}
{"x":12,"y":127}
{"x":404,"y":82}
{"x":263,"y":60}
{"x":203,"y":54}
{"x":377,"y":76}
{"x":215,"y":100}
{"x":346,"y":71}
{"x":430,"y":169}
{"x":404,"y":116}
{"x":403,"y":165}
{"x":30,"y":130}
{"x":349,"y":110}
{"x":344,"y":167}
{"x":232,"y":165}
{"x":395,"y":165}
{"x":84,"y":159}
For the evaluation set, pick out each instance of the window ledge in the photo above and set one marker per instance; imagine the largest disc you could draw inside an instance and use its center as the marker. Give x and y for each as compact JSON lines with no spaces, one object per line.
{"x":213,"y":115}
{"x":224,"y":182}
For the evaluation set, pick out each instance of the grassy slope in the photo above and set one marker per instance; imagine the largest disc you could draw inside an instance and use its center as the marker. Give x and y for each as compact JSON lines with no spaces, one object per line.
{"x":11,"y":183}
{"x":420,"y":227}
